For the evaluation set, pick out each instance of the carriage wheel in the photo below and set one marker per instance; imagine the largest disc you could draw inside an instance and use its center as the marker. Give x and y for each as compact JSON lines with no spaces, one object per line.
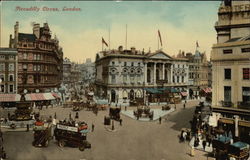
{"x":61,"y":143}
{"x":81,"y":147}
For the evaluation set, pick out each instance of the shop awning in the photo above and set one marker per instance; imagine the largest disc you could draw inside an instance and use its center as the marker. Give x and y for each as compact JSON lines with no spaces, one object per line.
{"x":56,"y":95}
{"x":169,"y":89}
{"x":39,"y":96}
{"x":48,"y":96}
{"x":207,"y":90}
{"x":35,"y":97}
{"x":153,"y":90}
{"x":184,"y":93}
{"x":10,"y":97}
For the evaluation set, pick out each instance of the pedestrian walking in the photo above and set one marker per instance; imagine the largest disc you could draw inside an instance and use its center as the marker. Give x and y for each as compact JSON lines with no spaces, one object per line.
{"x":184,"y":105}
{"x":55,"y":115}
{"x":93,"y":127}
{"x":120,"y":122}
{"x":204,"y":143}
{"x":77,"y":116}
{"x":192,"y":151}
{"x":28,"y":127}
{"x":70,"y":115}
{"x":125,"y":108}
{"x":160,"y":120}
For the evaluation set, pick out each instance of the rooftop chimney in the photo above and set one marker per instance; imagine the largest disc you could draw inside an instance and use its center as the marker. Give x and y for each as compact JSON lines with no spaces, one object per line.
{"x":36,"y":30}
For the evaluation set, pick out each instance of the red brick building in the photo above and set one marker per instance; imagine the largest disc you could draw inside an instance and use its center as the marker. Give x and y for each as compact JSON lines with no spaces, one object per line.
{"x":40,"y":59}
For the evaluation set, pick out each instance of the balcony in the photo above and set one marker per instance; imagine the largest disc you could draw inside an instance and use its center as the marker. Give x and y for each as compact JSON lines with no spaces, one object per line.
{"x":244,"y":105}
{"x":226,"y":104}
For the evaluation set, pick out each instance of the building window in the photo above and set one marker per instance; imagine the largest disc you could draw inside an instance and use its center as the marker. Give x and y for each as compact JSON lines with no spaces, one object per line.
{"x":182,"y":78}
{"x":11,"y":67}
{"x":227,"y":93}
{"x":173,"y":79}
{"x":227,"y":51}
{"x":2,"y":57}
{"x":245,"y":50}
{"x":11,"y":88}
{"x":2,"y":77}
{"x":246,"y":94}
{"x":34,"y":67}
{"x":11,"y":57}
{"x":113,"y":79}
{"x":11,"y":77}
{"x":132,"y":79}
{"x":2,"y":67}
{"x":2,"y":88}
{"x":139,"y":64}
{"x":35,"y":57}
{"x":178,"y":79}
{"x":132,"y":63}
{"x":113,"y":63}
{"x":227,"y":74}
{"x":246,"y":73}
{"x":124,"y":78}
{"x":24,"y":66}
{"x":24,"y":55}
{"x":125,"y":63}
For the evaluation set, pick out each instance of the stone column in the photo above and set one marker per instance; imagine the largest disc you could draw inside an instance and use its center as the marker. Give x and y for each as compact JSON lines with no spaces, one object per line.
{"x":236,"y":118}
{"x":154,"y":80}
{"x":163,"y":71}
{"x":145,"y":73}
{"x":171,"y":73}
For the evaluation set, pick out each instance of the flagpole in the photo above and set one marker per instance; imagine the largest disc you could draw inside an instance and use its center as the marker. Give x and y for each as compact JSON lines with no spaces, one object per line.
{"x":126,"y":36}
{"x":102,"y":45}
{"x":109,"y":37}
{"x":158,"y":40}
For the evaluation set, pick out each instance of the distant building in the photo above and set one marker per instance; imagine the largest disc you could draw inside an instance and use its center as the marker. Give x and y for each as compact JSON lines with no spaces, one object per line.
{"x":123,"y":76}
{"x":71,"y":72}
{"x":88,"y":71}
{"x":66,"y":71}
{"x":40,"y":59}
{"x":8,"y":70}
{"x":199,"y":72}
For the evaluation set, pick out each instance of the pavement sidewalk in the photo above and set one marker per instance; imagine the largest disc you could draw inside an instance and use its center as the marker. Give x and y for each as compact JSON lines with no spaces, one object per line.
{"x":208,"y":149}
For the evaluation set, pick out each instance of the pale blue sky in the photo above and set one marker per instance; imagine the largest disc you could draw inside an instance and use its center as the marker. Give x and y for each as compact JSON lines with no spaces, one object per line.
{"x":80,"y":32}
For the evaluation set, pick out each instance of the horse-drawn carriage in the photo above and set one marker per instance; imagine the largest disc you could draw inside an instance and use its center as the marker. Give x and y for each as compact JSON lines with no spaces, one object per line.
{"x":78,"y":105}
{"x":144,"y":112}
{"x":166,"y":107}
{"x":114,"y":113}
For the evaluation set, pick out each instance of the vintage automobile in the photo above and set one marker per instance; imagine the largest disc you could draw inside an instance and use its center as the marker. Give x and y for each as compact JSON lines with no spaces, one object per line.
{"x":114,"y":113}
{"x":42,"y":134}
{"x":72,"y":135}
{"x":238,"y":150}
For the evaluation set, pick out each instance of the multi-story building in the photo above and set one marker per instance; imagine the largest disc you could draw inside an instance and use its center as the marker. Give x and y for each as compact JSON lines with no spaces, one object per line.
{"x":125,"y":75}
{"x":231,"y":67}
{"x":88,"y":71}
{"x":8,"y":70}
{"x":40,"y":59}
{"x":199,"y":71}
{"x":66,"y":71}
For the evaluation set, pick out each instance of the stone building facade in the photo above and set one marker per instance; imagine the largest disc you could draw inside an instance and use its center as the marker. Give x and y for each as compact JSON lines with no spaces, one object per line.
{"x":88,"y":71}
{"x":40,"y":59}
{"x":231,"y":70}
{"x":199,"y":72}
{"x":8,"y":70}
{"x":125,"y":75}
{"x":231,"y":55}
